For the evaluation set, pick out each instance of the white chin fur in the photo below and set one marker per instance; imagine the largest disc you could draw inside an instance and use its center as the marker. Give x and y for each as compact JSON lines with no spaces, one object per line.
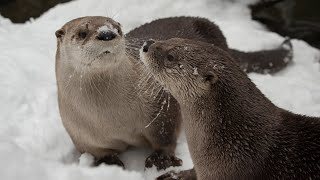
{"x":143,"y":57}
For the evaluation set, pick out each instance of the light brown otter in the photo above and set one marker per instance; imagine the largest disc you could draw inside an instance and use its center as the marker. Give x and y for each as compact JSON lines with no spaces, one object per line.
{"x":107,"y":100}
{"x":233,"y":131}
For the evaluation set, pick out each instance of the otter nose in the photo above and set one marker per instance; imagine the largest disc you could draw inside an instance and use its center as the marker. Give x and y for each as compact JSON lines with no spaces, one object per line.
{"x":147,"y":44}
{"x":106,"y":35}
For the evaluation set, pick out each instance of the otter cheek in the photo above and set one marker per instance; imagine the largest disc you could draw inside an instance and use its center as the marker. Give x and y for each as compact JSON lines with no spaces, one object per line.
{"x":169,"y":71}
{"x":169,"y":64}
{"x":148,"y":61}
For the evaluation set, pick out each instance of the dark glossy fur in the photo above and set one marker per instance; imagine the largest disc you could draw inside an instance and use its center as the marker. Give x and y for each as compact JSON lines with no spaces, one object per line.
{"x":233,"y":130}
{"x":201,"y":29}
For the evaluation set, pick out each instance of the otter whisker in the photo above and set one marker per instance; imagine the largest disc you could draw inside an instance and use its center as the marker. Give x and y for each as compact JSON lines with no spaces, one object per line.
{"x":103,"y":80}
{"x":158,"y":114}
{"x":159,"y":89}
{"x":116,"y":13}
{"x":148,"y":87}
{"x":68,"y":83}
{"x":94,"y":84}
{"x":136,"y":56}
{"x":147,"y":82}
{"x":133,"y":46}
{"x":85,"y":87}
{"x":142,"y":80}
{"x":110,"y":79}
{"x":168,"y":104}
{"x":139,"y":40}
{"x":91,"y":79}
{"x":155,"y":85}
{"x":145,"y":79}
{"x":158,"y":92}
{"x":132,"y":51}
{"x":161,"y":95}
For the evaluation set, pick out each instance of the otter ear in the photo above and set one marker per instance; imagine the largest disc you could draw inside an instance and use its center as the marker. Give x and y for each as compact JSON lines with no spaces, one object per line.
{"x":210,"y":77}
{"x":59,"y":33}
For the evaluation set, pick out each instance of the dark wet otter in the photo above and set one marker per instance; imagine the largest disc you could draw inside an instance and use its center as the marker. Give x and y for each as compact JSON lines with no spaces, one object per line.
{"x":107,"y":100}
{"x":233,"y":130}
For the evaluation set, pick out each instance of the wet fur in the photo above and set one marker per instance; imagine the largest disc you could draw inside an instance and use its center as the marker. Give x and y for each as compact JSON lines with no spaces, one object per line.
{"x":201,"y":29}
{"x":233,"y":130}
{"x":105,"y":106}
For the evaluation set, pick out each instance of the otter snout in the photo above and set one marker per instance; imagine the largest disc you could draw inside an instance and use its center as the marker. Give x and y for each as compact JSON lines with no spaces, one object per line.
{"x":147,"y":44}
{"x":106,"y":35}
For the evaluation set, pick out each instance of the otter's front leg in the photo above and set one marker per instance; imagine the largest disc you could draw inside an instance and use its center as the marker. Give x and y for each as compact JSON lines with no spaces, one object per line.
{"x":162,"y":160}
{"x":108,"y":156}
{"x":162,"y":134}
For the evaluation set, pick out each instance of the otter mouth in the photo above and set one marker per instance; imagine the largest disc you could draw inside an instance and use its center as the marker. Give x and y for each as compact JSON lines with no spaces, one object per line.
{"x":106,"y":52}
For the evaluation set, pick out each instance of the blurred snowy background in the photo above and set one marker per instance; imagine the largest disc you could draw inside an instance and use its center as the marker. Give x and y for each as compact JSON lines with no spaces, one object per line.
{"x":33,"y":142}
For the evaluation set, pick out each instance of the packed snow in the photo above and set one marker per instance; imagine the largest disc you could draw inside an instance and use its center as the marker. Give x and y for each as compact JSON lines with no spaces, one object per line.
{"x":34,"y":144}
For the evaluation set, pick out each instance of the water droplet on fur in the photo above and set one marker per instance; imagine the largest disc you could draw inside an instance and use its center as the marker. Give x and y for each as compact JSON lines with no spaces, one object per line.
{"x":195,"y":71}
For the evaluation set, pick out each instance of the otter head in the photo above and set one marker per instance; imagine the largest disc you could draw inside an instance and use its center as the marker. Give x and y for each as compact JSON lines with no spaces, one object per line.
{"x":187,"y":68}
{"x":95,"y":42}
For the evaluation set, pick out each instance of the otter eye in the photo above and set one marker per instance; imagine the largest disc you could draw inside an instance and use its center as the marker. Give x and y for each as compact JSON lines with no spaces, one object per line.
{"x":119,"y":31}
{"x":170,"y":57}
{"x":82,"y":34}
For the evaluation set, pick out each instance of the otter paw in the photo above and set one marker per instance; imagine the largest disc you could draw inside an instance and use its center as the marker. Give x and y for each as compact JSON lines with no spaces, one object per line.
{"x":109,"y":160}
{"x":182,"y":175}
{"x":162,"y":160}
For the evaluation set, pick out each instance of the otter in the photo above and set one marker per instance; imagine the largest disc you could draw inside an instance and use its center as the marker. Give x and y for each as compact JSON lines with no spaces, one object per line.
{"x":105,"y":99}
{"x":202,"y":29}
{"x":109,"y":102}
{"x":233,"y":131}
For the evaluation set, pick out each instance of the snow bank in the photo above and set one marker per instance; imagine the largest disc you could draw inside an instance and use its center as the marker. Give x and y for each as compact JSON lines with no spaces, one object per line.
{"x":33,"y":142}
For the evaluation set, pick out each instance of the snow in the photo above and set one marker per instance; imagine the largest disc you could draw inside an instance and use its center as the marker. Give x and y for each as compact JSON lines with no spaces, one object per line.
{"x":86,"y":159}
{"x":106,"y":28}
{"x":33,"y":142}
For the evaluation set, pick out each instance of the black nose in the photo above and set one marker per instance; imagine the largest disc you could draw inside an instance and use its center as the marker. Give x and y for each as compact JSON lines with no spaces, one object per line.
{"x":106,"y":35}
{"x":147,"y":44}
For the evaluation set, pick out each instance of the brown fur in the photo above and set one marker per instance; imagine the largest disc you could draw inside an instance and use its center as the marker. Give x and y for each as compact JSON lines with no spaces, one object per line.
{"x":233,"y":130}
{"x":106,"y":100}
{"x":201,"y":29}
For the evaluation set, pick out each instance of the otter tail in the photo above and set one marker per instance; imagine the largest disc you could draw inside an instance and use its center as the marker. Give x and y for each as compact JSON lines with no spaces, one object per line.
{"x":265,"y":61}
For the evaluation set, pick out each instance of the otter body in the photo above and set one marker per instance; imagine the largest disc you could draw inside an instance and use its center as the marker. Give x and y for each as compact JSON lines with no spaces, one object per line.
{"x":108,"y":101}
{"x":233,"y":131}
{"x":105,"y":99}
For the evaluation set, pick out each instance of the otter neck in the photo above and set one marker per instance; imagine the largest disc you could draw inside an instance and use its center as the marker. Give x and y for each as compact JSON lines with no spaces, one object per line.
{"x":235,"y":117}
{"x":106,"y":83}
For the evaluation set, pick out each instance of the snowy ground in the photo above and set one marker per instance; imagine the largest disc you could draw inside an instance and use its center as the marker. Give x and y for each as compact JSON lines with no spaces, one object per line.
{"x":33,"y":142}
